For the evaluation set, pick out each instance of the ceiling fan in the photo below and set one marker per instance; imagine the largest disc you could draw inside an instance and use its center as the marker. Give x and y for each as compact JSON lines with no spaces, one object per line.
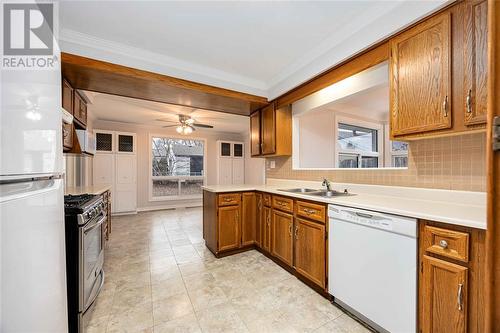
{"x":185,"y":124}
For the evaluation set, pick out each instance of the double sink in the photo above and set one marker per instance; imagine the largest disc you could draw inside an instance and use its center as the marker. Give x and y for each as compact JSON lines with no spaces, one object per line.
{"x":317,"y":193}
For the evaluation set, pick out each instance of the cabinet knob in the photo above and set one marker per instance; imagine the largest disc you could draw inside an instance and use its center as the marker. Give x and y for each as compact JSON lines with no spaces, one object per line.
{"x":443,"y":243}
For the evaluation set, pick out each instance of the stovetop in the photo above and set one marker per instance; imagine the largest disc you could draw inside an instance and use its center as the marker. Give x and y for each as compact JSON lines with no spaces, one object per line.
{"x":76,"y":204}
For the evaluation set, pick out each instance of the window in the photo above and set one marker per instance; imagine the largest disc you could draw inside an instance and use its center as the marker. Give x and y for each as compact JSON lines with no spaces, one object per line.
{"x":399,"y":154}
{"x":358,"y":146}
{"x":177,"y":168}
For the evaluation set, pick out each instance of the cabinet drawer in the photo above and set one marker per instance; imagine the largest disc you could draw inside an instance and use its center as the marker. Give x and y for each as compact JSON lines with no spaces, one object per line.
{"x":447,"y":243}
{"x":312,"y":211}
{"x":284,"y":204}
{"x":229,"y":199}
{"x":267,"y":199}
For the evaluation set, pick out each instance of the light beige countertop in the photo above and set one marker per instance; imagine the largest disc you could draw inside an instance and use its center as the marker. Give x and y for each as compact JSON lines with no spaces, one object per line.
{"x":453,"y":207}
{"x":93,"y":189}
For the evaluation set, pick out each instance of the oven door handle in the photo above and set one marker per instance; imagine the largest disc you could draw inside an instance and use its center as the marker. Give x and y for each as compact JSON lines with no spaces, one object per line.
{"x":86,"y":229}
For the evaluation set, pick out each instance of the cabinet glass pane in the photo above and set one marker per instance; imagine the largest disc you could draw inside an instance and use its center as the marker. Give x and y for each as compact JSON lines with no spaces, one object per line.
{"x":225,"y":149}
{"x":104,"y":141}
{"x":191,"y":186}
{"x":238,"y":150}
{"x":165,"y":188}
{"x":126,"y":143}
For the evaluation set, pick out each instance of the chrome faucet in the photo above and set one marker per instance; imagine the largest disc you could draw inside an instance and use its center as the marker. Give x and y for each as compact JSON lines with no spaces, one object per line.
{"x":327,"y":184}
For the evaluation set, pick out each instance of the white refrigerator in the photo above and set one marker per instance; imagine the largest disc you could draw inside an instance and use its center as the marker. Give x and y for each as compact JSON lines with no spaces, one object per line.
{"x":32,"y":249}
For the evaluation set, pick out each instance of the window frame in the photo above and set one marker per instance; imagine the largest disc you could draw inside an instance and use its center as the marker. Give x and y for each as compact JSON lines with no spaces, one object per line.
{"x":352,"y":121}
{"x":179,"y":179}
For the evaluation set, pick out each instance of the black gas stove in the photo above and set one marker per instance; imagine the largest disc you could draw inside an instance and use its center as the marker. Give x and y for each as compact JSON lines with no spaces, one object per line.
{"x":85,"y":216}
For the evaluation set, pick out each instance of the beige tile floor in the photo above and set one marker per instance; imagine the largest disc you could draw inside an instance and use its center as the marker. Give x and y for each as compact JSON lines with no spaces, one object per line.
{"x":160,"y":277}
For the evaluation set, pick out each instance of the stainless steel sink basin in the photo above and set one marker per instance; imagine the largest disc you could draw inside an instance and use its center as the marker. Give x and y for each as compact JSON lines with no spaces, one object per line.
{"x":299,"y":190}
{"x":329,"y":194}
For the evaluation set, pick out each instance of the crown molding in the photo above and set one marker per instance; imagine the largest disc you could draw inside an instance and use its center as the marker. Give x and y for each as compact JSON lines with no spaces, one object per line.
{"x":359,"y":34}
{"x":97,"y":48}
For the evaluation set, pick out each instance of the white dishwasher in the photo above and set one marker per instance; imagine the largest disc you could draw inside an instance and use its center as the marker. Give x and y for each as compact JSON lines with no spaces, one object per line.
{"x":372,"y":263}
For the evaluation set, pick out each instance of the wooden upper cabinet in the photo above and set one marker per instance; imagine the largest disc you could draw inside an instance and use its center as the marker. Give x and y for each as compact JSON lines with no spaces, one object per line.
{"x":229,"y":236}
{"x":444,"y":301}
{"x":67,"y":96}
{"x":420,"y":77}
{"x":282,"y":241}
{"x":268,"y":130}
{"x":249,"y":218}
{"x":475,"y":61}
{"x":80,"y":109}
{"x":255,"y":133}
{"x":310,"y":250}
{"x":275,"y":136}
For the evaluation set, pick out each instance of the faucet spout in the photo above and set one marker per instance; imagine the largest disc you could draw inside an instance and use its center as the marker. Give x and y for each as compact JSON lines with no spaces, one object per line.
{"x":327,"y":184}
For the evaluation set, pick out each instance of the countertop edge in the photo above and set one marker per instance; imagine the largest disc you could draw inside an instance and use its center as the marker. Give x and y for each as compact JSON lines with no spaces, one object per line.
{"x":401,"y":212}
{"x":92,"y":189}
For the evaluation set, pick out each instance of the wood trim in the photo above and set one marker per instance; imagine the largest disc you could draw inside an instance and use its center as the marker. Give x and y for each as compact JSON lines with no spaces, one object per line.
{"x":492,"y":292}
{"x":355,"y":64}
{"x":100,"y":76}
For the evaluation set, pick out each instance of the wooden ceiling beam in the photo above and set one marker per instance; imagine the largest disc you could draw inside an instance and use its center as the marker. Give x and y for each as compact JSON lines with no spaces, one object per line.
{"x":104,"y":77}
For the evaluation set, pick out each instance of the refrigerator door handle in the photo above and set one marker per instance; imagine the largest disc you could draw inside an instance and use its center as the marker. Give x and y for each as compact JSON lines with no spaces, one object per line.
{"x":12,"y":191}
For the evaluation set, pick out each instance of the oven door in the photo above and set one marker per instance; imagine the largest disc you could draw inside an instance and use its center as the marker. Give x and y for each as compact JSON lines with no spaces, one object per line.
{"x":91,"y":260}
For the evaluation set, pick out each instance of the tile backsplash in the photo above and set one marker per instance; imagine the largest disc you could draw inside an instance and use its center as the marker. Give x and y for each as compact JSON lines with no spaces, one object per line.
{"x":453,"y":163}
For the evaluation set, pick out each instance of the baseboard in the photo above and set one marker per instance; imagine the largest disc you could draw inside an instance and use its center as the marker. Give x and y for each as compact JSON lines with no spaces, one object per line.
{"x":124,"y":213}
{"x":171,"y":206}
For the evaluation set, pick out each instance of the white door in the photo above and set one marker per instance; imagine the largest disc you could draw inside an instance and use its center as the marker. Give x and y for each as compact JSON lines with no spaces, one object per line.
{"x":225,"y":171}
{"x":125,"y":188}
{"x":238,"y":171}
{"x":104,"y":171}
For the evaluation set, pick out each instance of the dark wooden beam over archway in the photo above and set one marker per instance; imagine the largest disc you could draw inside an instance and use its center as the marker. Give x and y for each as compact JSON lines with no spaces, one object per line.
{"x":104,"y":77}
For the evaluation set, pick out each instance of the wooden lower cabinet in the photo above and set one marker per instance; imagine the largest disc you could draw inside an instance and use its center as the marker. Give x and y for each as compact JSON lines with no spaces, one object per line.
{"x":310,"y":250}
{"x":248,"y":218}
{"x":229,"y":228}
{"x":266,"y":232}
{"x":258,"y":220}
{"x":282,"y":241}
{"x":444,"y":296}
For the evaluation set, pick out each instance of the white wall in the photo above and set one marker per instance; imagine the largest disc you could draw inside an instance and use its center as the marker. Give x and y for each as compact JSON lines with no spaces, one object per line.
{"x":316,"y":139}
{"x":144,"y":149}
{"x":255,"y":168}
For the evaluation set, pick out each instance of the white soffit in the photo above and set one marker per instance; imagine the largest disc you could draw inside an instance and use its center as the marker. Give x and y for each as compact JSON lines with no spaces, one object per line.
{"x":263,"y":48}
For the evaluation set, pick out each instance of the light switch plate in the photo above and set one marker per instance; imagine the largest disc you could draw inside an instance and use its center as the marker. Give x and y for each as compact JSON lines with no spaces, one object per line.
{"x":272,"y":164}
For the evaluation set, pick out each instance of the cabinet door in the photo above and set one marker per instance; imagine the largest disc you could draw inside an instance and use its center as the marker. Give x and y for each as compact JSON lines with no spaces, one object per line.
{"x":310,"y":250}
{"x":266,"y":232}
{"x":258,"y":219}
{"x":249,"y":217}
{"x":268,"y":130}
{"x":79,"y":109}
{"x":255,"y":133}
{"x":67,"y":96}
{"x":282,"y":245}
{"x":104,"y":141}
{"x":444,"y":296}
{"x":238,"y":171}
{"x":125,"y":187}
{"x":67,"y":131}
{"x":104,"y":169}
{"x":421,"y":77}
{"x":125,"y":143}
{"x":476,"y":58}
{"x":225,"y":171}
{"x":229,"y":228}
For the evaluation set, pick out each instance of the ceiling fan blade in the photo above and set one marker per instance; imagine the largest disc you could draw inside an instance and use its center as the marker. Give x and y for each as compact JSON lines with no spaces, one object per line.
{"x":202,"y":125}
{"x":170,"y":126}
{"x":167,"y":121}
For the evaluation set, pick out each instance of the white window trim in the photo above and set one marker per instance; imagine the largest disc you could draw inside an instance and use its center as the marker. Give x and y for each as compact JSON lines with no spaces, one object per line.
{"x":341,"y":119}
{"x":180,"y":178}
{"x":389,"y":153}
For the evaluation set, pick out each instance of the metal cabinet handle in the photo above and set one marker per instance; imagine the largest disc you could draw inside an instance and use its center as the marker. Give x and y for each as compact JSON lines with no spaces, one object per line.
{"x":309,"y":211}
{"x":468,"y":101}
{"x":460,"y":296}
{"x":296,"y":232}
{"x":445,"y":106}
{"x":236,"y":217}
{"x":443,"y":243}
{"x":290,"y":228}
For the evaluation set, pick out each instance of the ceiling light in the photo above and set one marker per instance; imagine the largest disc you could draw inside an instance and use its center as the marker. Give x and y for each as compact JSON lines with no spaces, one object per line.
{"x":188,"y":130}
{"x":179,"y":129}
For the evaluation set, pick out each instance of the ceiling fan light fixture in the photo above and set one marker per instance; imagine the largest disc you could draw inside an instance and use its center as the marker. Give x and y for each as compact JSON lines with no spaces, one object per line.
{"x":179,"y":129}
{"x":187,"y":130}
